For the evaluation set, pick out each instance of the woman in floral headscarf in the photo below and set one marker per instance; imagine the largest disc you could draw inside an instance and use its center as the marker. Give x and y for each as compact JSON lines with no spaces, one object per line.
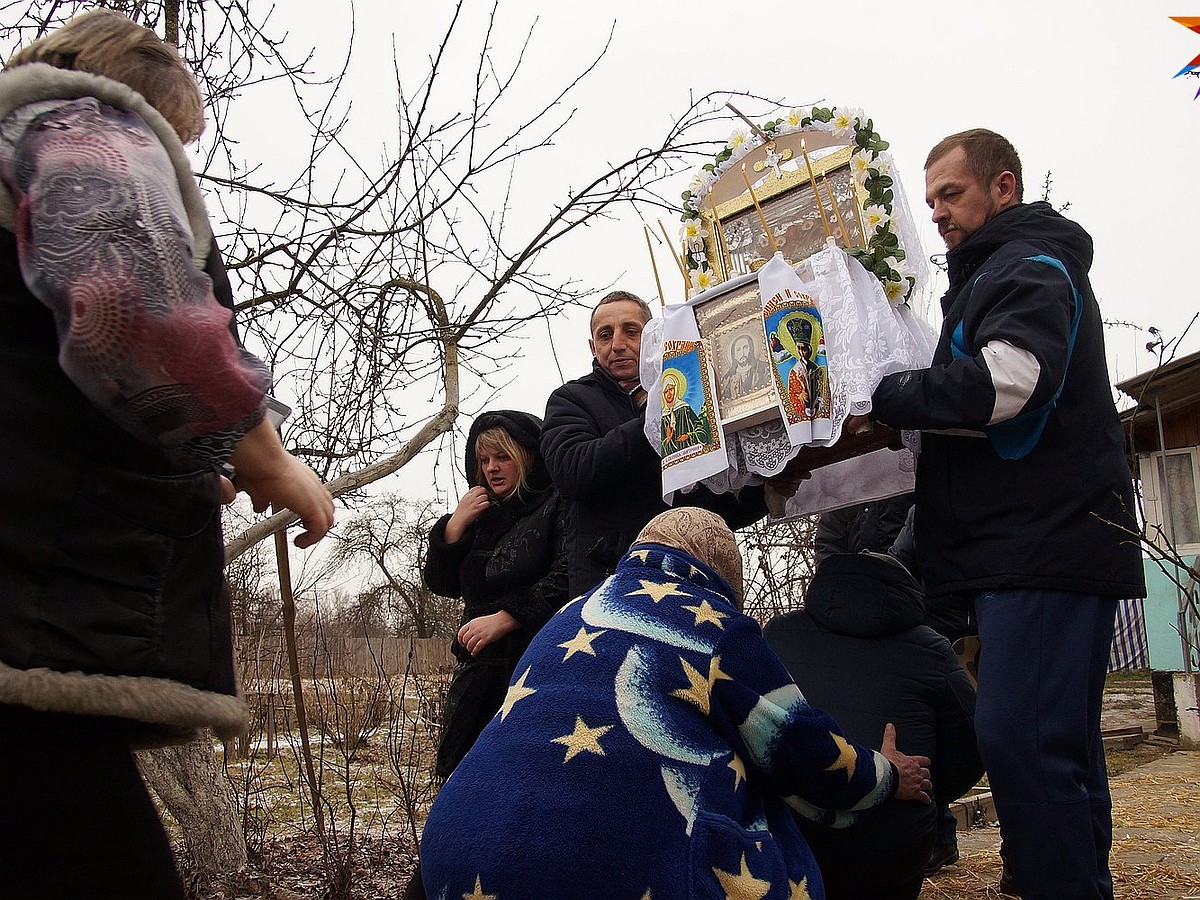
{"x":651,"y":745}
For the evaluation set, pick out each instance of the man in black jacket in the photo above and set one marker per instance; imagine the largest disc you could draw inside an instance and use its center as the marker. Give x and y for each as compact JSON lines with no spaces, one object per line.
{"x":595,"y":447}
{"x":1026,"y":502}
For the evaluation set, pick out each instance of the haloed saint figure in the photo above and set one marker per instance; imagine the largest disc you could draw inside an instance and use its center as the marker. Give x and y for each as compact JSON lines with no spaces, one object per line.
{"x":681,"y":426}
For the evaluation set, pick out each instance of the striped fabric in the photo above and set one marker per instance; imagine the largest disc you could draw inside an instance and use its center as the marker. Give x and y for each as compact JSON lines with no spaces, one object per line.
{"x":1129,"y":648}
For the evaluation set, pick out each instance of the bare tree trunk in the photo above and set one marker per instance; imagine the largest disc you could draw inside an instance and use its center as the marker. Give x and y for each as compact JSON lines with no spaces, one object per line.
{"x":195,"y":790}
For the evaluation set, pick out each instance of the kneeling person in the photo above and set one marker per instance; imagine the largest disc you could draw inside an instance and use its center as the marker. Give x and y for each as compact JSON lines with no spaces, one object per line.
{"x":652,"y":745}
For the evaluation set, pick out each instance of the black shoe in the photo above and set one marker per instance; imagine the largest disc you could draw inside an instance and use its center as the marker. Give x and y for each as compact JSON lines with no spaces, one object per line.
{"x":1008,"y":884}
{"x":942,"y":855}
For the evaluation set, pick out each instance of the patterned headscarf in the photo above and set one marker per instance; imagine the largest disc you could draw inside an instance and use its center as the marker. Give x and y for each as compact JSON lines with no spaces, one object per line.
{"x":702,"y":534}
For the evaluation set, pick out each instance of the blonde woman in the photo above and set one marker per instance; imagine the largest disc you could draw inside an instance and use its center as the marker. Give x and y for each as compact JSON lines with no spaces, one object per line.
{"x":502,"y":551}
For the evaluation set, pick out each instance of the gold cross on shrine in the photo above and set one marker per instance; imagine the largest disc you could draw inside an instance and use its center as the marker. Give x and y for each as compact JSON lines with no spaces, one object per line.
{"x":773,"y":160}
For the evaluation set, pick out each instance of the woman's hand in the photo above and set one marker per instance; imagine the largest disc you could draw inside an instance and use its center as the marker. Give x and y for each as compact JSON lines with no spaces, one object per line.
{"x":478,"y":633}
{"x":914,"y":770}
{"x":472,"y":504}
{"x":273,"y":477}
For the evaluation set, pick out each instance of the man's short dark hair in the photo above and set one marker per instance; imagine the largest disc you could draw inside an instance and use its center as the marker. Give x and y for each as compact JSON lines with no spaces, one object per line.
{"x":619,"y":297}
{"x":988,"y":154}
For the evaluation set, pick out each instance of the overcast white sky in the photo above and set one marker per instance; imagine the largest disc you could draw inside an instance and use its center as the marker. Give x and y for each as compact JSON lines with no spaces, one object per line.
{"x":1081,"y":88}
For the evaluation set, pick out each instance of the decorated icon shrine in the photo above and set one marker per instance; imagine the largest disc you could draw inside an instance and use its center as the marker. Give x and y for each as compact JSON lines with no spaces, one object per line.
{"x":800,"y":255}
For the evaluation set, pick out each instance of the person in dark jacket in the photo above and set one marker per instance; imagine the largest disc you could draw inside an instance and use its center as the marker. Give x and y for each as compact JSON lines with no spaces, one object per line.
{"x":860,"y":651}
{"x":596,"y":450}
{"x":886,"y":526}
{"x":503,"y":552}
{"x":1026,"y":502}
{"x":870,"y":526}
{"x":122,"y":390}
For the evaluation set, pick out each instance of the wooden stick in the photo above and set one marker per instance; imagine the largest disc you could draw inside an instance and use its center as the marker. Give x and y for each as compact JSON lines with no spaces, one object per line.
{"x":662,"y":301}
{"x":761,"y":217}
{"x":837,"y":215}
{"x":762,"y":135}
{"x":816,"y":191}
{"x":722,"y":246}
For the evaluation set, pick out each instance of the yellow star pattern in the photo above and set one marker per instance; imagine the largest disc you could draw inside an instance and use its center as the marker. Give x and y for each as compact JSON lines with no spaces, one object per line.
{"x":646,"y":896}
{"x":743,"y":885}
{"x":657,"y":592}
{"x":516,"y":693}
{"x":581,"y":643}
{"x":714,"y":672}
{"x":847,"y":758}
{"x":799,"y":889}
{"x":739,"y":770}
{"x":478,"y":893}
{"x":699,"y":689}
{"x":581,"y":739}
{"x":643,"y":555}
{"x":706,"y":613}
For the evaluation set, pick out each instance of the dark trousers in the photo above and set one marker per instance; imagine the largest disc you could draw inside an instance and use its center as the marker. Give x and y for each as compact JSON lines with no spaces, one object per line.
{"x":75,"y":818}
{"x":1037,"y":718}
{"x":947,"y":826}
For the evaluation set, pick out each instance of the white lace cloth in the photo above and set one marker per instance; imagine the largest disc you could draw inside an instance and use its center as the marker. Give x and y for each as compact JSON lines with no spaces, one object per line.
{"x":866,"y":339}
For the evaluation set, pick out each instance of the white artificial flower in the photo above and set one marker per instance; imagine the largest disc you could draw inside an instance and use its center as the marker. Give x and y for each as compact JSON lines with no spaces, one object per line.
{"x":861,"y":163}
{"x":702,"y":279}
{"x":895,"y":291}
{"x":902,"y":267}
{"x":737,"y":141}
{"x":697,"y":182}
{"x":875,"y":216}
{"x":883,"y":162}
{"x":693,"y":230}
{"x":844,"y":120}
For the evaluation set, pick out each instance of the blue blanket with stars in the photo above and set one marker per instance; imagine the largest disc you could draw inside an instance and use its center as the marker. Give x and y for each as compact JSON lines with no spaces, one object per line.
{"x":651,"y":747}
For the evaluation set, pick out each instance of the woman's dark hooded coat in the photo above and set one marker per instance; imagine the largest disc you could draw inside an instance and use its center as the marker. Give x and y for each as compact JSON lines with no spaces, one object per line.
{"x":511,"y":558}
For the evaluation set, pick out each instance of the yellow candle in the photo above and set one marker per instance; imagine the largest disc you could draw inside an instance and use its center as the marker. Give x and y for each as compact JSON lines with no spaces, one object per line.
{"x":719,"y":237}
{"x":816,"y":191}
{"x":662,"y":300}
{"x":679,"y":260}
{"x":857,"y":204}
{"x":761,"y":217}
{"x":837,"y":215}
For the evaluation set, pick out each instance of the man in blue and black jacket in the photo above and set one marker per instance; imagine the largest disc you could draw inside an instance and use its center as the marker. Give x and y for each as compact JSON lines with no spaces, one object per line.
{"x":1026,"y":502}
